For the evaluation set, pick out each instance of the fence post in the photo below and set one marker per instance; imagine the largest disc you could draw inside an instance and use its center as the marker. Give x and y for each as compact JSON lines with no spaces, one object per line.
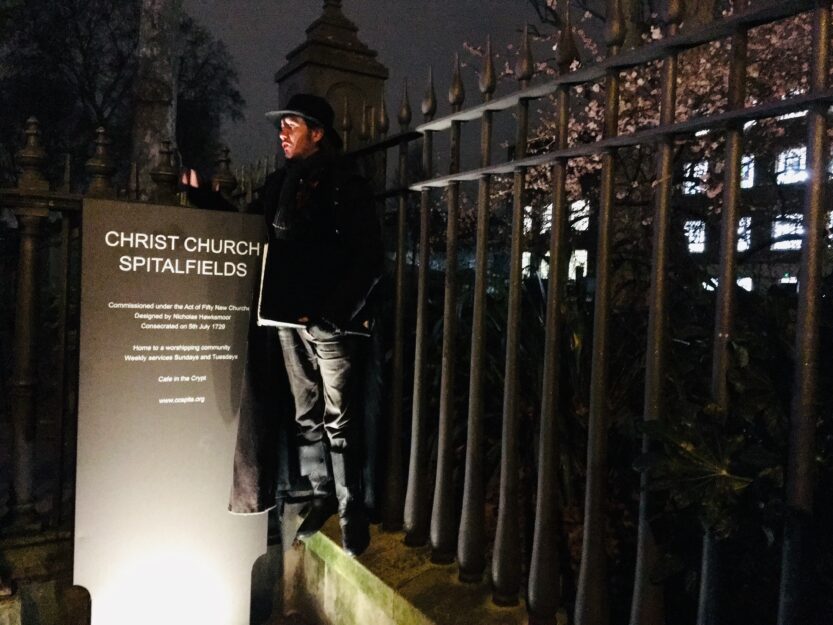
{"x":708,"y":607}
{"x":416,"y":495}
{"x":393,"y":487}
{"x":470,"y":539}
{"x":100,"y":167}
{"x":647,"y":600}
{"x":164,"y":176}
{"x":223,"y":180}
{"x":591,"y":597}
{"x":31,"y":219}
{"x":545,"y":577}
{"x":506,"y":561}
{"x":804,"y":410}
{"x":443,"y":530}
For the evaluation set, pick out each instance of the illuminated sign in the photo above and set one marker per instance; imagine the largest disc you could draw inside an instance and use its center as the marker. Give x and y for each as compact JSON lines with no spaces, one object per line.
{"x":165,"y":298}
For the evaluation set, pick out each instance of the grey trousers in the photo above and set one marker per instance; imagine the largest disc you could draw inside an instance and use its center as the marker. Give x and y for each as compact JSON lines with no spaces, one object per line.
{"x":321,"y":379}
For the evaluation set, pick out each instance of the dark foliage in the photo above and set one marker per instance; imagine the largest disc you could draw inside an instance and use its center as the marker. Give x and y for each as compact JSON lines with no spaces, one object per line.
{"x":72,"y":64}
{"x":208,"y":95}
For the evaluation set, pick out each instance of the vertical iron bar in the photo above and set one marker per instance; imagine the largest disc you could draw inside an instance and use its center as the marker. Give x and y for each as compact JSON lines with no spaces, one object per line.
{"x":544,"y":587}
{"x":416,"y":506}
{"x":470,"y":541}
{"x":346,"y":126}
{"x":392,"y":517}
{"x":729,"y":226}
{"x":24,"y":373}
{"x":544,"y":573}
{"x":59,"y":377}
{"x":506,"y":561}
{"x":23,"y":382}
{"x":69,"y":419}
{"x":647,"y":602}
{"x":443,"y":531}
{"x":506,"y":565}
{"x":795,"y":572}
{"x":708,"y":608}
{"x":591,"y":596}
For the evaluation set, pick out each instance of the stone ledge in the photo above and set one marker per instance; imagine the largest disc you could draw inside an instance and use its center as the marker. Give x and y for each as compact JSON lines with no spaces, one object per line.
{"x":41,"y":556}
{"x":389,"y":584}
{"x":10,"y":610}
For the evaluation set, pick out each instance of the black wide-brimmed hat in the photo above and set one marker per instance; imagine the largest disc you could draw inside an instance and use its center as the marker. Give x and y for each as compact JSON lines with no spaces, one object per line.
{"x":314,"y":109}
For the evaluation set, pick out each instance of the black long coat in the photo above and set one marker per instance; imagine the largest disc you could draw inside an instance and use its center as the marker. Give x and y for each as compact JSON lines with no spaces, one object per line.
{"x":326,"y":263}
{"x":347,"y":266}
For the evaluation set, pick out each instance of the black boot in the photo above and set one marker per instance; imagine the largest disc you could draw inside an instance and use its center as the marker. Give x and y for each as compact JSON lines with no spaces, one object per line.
{"x":321,"y":509}
{"x":347,"y":470}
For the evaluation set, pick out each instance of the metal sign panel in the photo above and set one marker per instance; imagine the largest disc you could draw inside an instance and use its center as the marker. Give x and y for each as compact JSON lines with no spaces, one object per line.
{"x":165,"y":304}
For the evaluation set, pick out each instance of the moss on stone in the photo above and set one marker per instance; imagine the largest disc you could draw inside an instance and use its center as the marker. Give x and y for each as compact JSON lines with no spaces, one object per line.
{"x":394,"y":584}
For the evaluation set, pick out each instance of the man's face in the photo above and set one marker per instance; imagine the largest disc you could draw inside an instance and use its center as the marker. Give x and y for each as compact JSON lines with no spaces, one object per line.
{"x":298,"y":140}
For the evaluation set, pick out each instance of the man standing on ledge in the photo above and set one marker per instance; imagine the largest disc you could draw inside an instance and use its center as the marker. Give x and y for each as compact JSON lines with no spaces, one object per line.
{"x":325,"y":256}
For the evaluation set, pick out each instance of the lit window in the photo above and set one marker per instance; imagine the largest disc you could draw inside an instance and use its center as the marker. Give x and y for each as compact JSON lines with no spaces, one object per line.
{"x":580,"y":215}
{"x":546,"y":218}
{"x":795,"y":91}
{"x":790,"y":229}
{"x":744,"y":233}
{"x":694,"y":173}
{"x":791,"y":166}
{"x":695,"y":234}
{"x":745,"y":283}
{"x":789,"y":279}
{"x":544,"y":268}
{"x":747,"y":172}
{"x":578,"y":264}
{"x":793,"y":115}
{"x":527,"y":220}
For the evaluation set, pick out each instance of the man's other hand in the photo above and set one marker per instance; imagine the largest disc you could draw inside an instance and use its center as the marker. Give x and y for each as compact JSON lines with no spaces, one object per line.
{"x":323,"y":329}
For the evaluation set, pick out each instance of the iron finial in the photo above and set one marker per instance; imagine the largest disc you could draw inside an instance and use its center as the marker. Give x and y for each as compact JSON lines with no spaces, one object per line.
{"x":674,"y":13}
{"x":404,"y":115}
{"x":456,"y":92}
{"x":31,"y":158}
{"x":100,"y":167}
{"x":371,"y":117}
{"x":524,"y":67}
{"x":364,"y":129}
{"x":429,"y":102}
{"x":164,"y":174}
{"x":614,"y":25}
{"x":487,"y":78}
{"x":383,"y":121}
{"x":223,"y":180}
{"x":566,"y":52}
{"x":346,"y":125}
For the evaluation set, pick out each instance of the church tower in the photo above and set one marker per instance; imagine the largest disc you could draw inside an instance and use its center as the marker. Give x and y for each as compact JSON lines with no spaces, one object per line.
{"x":334,"y":63}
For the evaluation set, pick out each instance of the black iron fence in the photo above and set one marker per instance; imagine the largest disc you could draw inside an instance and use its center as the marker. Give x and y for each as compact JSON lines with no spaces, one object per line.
{"x":454,"y":519}
{"x":440,"y":482}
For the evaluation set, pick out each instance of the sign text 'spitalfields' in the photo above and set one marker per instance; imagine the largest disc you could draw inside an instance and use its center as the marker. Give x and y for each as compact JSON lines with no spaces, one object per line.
{"x":159,"y":242}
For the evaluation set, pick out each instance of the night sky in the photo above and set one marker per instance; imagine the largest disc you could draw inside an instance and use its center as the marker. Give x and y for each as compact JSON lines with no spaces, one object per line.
{"x":409,"y":35}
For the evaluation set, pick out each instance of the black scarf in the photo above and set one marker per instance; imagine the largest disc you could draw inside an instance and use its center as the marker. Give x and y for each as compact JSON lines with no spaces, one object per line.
{"x":295,"y":214}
